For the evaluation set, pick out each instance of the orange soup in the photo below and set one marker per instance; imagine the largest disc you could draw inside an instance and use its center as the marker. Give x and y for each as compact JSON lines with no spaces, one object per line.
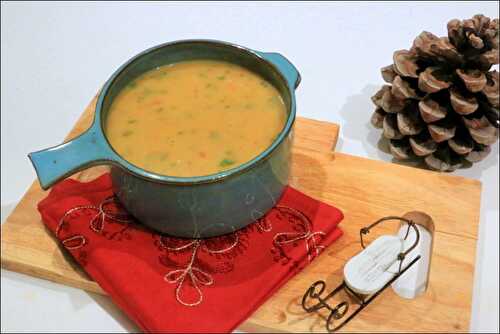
{"x":195,"y":118}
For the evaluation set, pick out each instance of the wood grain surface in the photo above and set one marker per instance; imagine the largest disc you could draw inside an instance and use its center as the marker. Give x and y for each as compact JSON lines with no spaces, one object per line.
{"x":364,"y":190}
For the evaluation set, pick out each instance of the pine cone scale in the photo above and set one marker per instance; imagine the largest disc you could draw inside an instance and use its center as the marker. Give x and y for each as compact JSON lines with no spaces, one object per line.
{"x":474,"y":80}
{"x":461,"y":104}
{"x":405,"y":64}
{"x":431,"y":111}
{"x":423,"y":148}
{"x":429,"y":83}
{"x":439,"y":133}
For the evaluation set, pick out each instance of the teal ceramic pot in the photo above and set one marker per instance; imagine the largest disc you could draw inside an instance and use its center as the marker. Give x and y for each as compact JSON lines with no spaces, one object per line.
{"x":192,"y":207}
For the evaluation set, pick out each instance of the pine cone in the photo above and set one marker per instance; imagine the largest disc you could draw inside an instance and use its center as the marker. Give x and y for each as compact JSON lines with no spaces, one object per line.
{"x":443,"y":101}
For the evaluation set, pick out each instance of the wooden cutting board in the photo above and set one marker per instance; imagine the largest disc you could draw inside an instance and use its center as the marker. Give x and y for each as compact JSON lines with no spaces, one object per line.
{"x":364,"y":190}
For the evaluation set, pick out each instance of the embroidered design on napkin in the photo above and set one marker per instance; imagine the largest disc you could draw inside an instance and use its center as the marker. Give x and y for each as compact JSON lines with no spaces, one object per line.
{"x":109,"y":210}
{"x":302,"y":231}
{"x":193,"y":272}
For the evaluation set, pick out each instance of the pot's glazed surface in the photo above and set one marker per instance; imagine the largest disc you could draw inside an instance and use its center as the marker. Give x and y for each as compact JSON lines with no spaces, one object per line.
{"x":201,"y":206}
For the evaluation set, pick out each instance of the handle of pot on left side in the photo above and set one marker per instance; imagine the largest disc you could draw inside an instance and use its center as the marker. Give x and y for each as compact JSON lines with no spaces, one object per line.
{"x":58,"y":162}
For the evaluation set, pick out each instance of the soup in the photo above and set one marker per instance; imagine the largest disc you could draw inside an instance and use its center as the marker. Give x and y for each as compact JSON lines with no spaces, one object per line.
{"x":195,"y":118}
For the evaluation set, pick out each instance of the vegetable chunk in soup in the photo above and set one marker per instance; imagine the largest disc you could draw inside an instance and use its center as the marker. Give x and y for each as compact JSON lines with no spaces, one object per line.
{"x":195,"y":118}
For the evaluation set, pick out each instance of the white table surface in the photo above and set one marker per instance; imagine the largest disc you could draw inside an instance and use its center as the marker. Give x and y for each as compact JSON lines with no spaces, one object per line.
{"x":56,"y":55}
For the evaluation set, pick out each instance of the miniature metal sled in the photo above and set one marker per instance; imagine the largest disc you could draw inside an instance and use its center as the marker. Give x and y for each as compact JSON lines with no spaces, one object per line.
{"x":366,"y":275}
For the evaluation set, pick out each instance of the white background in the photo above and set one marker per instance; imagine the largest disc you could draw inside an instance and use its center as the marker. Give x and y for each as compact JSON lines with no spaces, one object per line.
{"x":56,"y":55}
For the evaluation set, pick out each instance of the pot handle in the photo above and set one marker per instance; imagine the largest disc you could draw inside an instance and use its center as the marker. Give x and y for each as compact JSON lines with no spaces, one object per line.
{"x":288,"y":70}
{"x":58,"y":162}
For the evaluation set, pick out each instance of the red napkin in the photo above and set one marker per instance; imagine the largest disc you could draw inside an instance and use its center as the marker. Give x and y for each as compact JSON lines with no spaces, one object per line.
{"x":186,"y":285}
